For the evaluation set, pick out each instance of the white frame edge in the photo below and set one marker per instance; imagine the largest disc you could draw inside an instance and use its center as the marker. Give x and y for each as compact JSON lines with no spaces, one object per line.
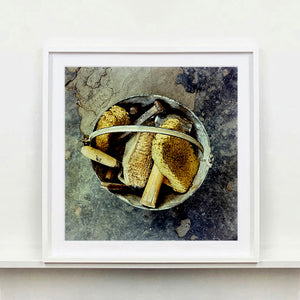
{"x":45,"y":156}
{"x":256,"y":153}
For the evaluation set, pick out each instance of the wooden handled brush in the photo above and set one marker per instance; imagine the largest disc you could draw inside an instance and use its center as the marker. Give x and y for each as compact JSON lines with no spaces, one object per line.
{"x":173,"y":158}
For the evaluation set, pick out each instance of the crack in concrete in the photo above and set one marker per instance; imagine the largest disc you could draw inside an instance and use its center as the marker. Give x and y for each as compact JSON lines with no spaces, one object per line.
{"x":98,"y":88}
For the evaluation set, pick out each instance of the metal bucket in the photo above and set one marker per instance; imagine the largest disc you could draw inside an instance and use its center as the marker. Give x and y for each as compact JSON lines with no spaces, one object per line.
{"x":167,"y":197}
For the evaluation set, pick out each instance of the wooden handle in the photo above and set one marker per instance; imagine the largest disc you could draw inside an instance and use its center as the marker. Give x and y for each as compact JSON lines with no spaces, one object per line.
{"x":115,"y":187}
{"x":152,"y":188}
{"x":99,"y":156}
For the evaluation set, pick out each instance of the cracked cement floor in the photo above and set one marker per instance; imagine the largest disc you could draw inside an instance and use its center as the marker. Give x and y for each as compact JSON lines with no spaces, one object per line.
{"x":92,"y":213}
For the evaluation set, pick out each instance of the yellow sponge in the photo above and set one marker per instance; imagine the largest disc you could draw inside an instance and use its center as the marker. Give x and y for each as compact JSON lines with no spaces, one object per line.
{"x":175,"y":157}
{"x":113,"y":117}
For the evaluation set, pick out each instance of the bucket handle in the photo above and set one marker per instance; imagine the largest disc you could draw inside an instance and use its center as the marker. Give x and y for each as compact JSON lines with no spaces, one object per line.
{"x":140,"y":128}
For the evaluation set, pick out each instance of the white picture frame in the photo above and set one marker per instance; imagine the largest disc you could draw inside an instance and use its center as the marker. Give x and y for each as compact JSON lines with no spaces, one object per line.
{"x":123,"y":253}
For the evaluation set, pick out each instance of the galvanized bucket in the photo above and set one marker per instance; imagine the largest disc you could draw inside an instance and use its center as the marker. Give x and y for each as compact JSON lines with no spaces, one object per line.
{"x":198,"y":137}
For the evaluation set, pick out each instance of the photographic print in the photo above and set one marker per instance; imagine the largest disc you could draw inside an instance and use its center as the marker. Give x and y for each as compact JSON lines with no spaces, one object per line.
{"x":139,"y":186}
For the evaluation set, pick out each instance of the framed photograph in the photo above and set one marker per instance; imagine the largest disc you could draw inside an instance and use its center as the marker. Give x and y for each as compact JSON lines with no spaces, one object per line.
{"x":151,"y":156}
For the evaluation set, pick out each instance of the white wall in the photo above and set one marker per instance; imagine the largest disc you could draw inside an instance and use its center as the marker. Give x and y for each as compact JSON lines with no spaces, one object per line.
{"x":24,"y":28}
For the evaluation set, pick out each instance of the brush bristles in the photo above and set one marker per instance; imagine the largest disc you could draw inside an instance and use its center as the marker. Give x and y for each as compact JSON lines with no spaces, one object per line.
{"x":137,"y":161}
